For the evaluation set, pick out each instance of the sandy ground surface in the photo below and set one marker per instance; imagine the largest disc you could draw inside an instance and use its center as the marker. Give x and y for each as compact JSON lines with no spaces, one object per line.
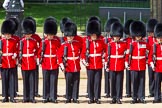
{"x":105,"y":102}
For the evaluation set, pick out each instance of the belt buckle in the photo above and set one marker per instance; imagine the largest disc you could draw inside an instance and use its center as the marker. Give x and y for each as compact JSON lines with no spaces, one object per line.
{"x":50,"y":56}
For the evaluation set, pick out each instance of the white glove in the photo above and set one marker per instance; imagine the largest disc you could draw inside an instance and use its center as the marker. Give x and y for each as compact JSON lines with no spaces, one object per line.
{"x":37,"y":61}
{"x":14,"y":56}
{"x":85,"y":63}
{"x":152,"y":65}
{"x":105,"y":65}
{"x":127,"y":66}
{"x":62,"y":67}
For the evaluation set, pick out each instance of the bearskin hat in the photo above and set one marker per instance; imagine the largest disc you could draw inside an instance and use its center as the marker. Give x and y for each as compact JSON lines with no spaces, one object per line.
{"x":158,"y":30}
{"x":94,"y":18}
{"x":27,"y":26}
{"x":62,"y":23}
{"x":94,"y":27}
{"x":150,"y":25}
{"x":70,"y":29}
{"x":116,"y":29}
{"x":50,"y":27}
{"x":137,"y":28}
{"x":16,"y":23}
{"x":34,"y":22}
{"x":8,"y":26}
{"x":51,"y":18}
{"x":126,"y":26}
{"x":109,"y":22}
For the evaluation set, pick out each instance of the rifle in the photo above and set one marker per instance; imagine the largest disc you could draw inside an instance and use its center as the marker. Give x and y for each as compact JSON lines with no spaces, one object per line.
{"x":20,"y":51}
{"x":130,"y":54}
{"x":106,"y":38}
{"x":109,"y":53}
{"x":125,"y":18}
{"x":62,"y":38}
{"x":87,"y":50}
{"x":0,"y":51}
{"x":154,"y":54}
{"x":43,"y":49}
{"x":65,"y":55}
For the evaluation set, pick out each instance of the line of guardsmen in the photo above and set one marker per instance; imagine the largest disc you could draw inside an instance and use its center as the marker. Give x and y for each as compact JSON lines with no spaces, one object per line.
{"x":112,"y":52}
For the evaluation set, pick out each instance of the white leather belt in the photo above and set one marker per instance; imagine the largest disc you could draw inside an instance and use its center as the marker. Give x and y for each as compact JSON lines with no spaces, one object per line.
{"x":138,"y":57}
{"x":158,"y":58}
{"x":94,"y":55}
{"x":117,"y":56}
{"x":72,"y":58}
{"x":27,"y":55}
{"x":45,"y":55}
{"x":7,"y":54}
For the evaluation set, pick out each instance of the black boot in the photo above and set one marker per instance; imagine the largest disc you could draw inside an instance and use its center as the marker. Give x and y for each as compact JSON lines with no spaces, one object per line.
{"x":12,"y":100}
{"x":134,"y":101}
{"x":68,"y":101}
{"x":118,"y":101}
{"x":113,"y":101}
{"x":156,"y":101}
{"x":5,"y":100}
{"x":90,"y":101}
{"x":97,"y":101}
{"x":75,"y":101}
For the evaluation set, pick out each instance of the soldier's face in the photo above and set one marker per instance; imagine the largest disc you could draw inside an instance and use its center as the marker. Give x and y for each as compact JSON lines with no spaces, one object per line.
{"x":49,"y":36}
{"x":150,"y":34}
{"x":7,"y":36}
{"x":159,"y":40}
{"x":28,"y":35}
{"x":93,"y":36}
{"x":70,"y":38}
{"x":116,"y":38}
{"x":138,"y":38}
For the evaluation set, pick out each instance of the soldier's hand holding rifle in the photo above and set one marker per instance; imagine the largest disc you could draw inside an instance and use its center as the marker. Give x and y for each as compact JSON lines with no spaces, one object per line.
{"x":62,"y":67}
{"x":127,"y":64}
{"x":64,"y":64}
{"x":108,"y":58}
{"x":153,"y":64}
{"x":0,"y":53}
{"x":86,"y":62}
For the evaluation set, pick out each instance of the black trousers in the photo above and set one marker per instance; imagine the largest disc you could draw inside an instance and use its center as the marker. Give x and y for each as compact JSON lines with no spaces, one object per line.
{"x":107,"y":82}
{"x":36,"y":80}
{"x":72,"y":84}
{"x":157,"y":89}
{"x":50,"y":79}
{"x":16,"y":79}
{"x":8,"y":82}
{"x":151,"y":80}
{"x":138,"y":84}
{"x":116,"y":79}
{"x":94,"y":83}
{"x":28,"y":84}
{"x":128,"y":82}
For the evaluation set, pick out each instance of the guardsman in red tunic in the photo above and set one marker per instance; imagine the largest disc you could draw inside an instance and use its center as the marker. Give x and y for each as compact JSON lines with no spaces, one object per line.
{"x":107,"y":39}
{"x":128,"y":40}
{"x":114,"y":62}
{"x":155,"y":61}
{"x":136,"y":61}
{"x":69,"y":61}
{"x":38,"y":39}
{"x":90,"y":19}
{"x":48,"y":61}
{"x":17,"y":38}
{"x":151,"y":40}
{"x":8,"y":61}
{"x":28,"y":62}
{"x":93,"y":48}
